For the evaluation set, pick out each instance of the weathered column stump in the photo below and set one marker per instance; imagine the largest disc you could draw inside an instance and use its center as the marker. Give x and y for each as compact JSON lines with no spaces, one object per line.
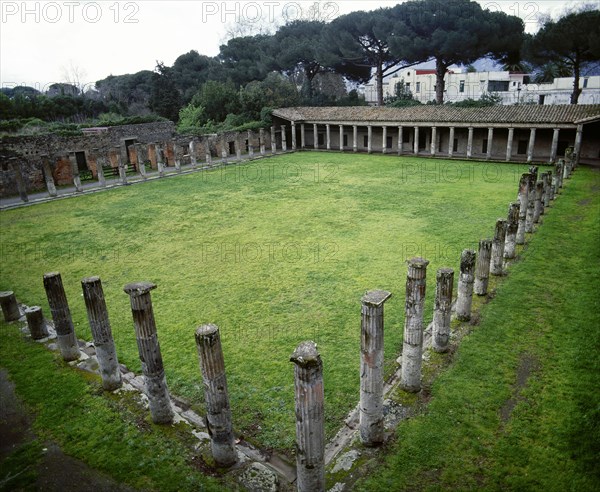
{"x":538,"y":206}
{"x":549,"y":193}
{"x":10,"y":308}
{"x":218,"y":412}
{"x":482,"y":268}
{"x":530,"y":203}
{"x":310,"y":419}
{"x":36,"y":322}
{"x":466,"y":278}
{"x":61,"y":315}
{"x":512,"y":226}
{"x":371,"y":368}
{"x":523,"y":199}
{"x":97,"y":313}
{"x":498,"y":245}
{"x":442,"y":310}
{"x":412,"y":346}
{"x":149,"y":350}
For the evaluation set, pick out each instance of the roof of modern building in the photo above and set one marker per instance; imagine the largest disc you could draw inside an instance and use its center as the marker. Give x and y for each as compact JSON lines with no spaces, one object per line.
{"x":521,"y":114}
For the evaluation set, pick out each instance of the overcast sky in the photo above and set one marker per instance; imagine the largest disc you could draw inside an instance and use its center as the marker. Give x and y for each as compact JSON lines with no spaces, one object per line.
{"x":42,"y":42}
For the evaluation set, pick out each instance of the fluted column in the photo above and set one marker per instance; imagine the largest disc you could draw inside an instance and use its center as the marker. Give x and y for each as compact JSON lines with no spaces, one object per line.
{"x":510,"y":245}
{"x":384,"y":140}
{"x":538,"y":203}
{"x":261,"y":137}
{"x":412,"y":347}
{"x":48,"y":176}
{"x":10,"y":308}
{"x":523,"y":201}
{"x":36,"y":322}
{"x":341,"y":137}
{"x":294,"y":145}
{"x":218,"y":411}
{"x":470,"y":143}
{"x":250,"y":144}
{"x":302,"y":136}
{"x":400,"y":139}
{"x":371,"y":368}
{"x":354,"y":138}
{"x":121,"y":165}
{"x":482,"y":268}
{"x":61,"y":315}
{"x":283,"y":138}
{"x":315,"y":136}
{"x":451,"y":142}
{"x":273,"y":141}
{"x":498,"y":245}
{"x":149,"y":350}
{"x":530,"y":202}
{"x":192,"y":150}
{"x":310,"y":433}
{"x":554,"y":146}
{"x":509,"y":143}
{"x":433,"y":144}
{"x":328,"y":136}
{"x":416,"y":141}
{"x":490,"y":140}
{"x":370,"y":139}
{"x":531,"y":145}
{"x":442,"y":309}
{"x":466,"y":278}
{"x":93,"y":295}
{"x":75,"y":171}
{"x":160,"y":159}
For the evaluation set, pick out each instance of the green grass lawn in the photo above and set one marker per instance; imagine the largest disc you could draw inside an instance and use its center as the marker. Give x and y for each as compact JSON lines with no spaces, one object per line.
{"x":274,"y":252}
{"x":519,"y":408}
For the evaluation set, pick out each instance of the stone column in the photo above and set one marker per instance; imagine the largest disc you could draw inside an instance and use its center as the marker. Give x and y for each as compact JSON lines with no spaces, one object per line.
{"x":538,"y":203}
{"x":530,"y":203}
{"x":369,"y":139}
{"x":193,"y":157}
{"x":36,"y":322}
{"x":283,"y":139}
{"x":315,"y":136}
{"x":416,"y":141}
{"x":433,"y":145}
{"x":207,"y":152}
{"x":14,"y":163}
{"x":149,"y":350}
{"x":61,"y":315}
{"x":218,"y":411}
{"x":121,"y":164}
{"x":273,"y":141}
{"x":400,"y":139}
{"x":412,"y":347}
{"x":250,"y":145}
{"x":99,"y":169}
{"x":482,"y":268}
{"x":548,"y":195}
{"x":302,"y":136}
{"x":341,"y":138}
{"x":498,"y":244}
{"x":384,"y":140}
{"x":294,"y":146}
{"x":261,"y":137}
{"x":224,"y":150}
{"x":354,"y":138}
{"x":523,"y":200}
{"x":567,"y":163}
{"x":556,"y":179}
{"x":328,"y":135}
{"x":93,"y":295}
{"x":512,"y":227}
{"x":10,"y":308}
{"x":160,"y":163}
{"x":531,"y":145}
{"x":310,"y":434}
{"x":509,"y":143}
{"x":451,"y":142}
{"x":578,"y":140}
{"x":554,"y":147}
{"x":440,"y":336}
{"x":490,"y":140}
{"x":238,"y":146}
{"x":75,"y":171}
{"x":470,"y":143}
{"x":176,"y":154}
{"x":465,"y":285}
{"x":48,"y":176}
{"x":371,"y":368}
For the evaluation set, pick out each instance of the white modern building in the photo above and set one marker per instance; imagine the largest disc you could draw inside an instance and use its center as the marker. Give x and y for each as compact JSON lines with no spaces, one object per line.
{"x":512,"y":87}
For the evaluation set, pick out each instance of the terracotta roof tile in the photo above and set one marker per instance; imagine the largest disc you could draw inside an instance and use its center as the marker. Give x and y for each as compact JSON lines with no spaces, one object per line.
{"x":524,"y":114}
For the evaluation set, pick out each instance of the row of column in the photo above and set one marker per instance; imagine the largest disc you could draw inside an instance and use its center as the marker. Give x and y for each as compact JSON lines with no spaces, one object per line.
{"x":534,"y":195}
{"x":434,"y":140}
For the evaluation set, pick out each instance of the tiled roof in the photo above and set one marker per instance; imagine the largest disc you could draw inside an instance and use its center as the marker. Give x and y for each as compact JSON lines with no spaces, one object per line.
{"x":524,"y":114}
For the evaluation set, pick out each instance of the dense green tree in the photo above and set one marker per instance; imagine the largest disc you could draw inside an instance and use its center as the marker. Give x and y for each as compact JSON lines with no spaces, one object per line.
{"x":453,"y":32}
{"x":571,"y":41}
{"x":360,"y":40}
{"x":190,"y":71}
{"x":165,"y":99}
{"x":246,"y":59}
{"x":218,"y":99}
{"x":127,"y":94}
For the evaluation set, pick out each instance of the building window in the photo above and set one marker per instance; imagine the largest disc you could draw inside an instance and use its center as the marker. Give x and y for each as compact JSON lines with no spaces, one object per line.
{"x":522,"y":148}
{"x":542,"y":99}
{"x":321,"y":139}
{"x":407,"y":85}
{"x":585,"y":82}
{"x":388,"y":143}
{"x":418,"y":87}
{"x":461,"y":87}
{"x":484,"y":146}
{"x":366,"y":141}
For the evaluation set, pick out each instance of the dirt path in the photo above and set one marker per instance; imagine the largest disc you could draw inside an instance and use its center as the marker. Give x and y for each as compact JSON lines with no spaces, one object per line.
{"x":52,"y":470}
